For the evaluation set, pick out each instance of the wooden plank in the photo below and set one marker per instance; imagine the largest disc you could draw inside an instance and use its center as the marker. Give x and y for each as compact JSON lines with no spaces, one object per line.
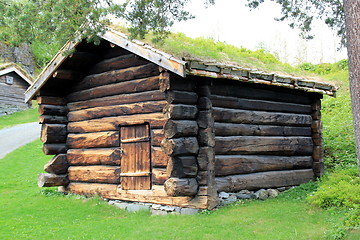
{"x":118,"y":62}
{"x":68,"y":75}
{"x":180,"y":111}
{"x":159,"y":176}
{"x":53,"y":119}
{"x":156,"y":195}
{"x":117,"y":76}
{"x":155,"y":95}
{"x":112,"y":123}
{"x":52,"y":180}
{"x":260,"y":117}
{"x":180,"y":146}
{"x":252,"y":91}
{"x":182,"y":167}
{"x":238,"y":129}
{"x":116,"y":110}
{"x":272,"y":179}
{"x":53,"y":110}
{"x":240,"y":164}
{"x":181,"y":97}
{"x":93,"y":140}
{"x":157,"y":135}
{"x":53,"y":133}
{"x":180,"y":128}
{"x":181,"y":187}
{"x":264,"y":145}
{"x":60,"y":101}
{"x":138,"y":85}
{"x":57,"y":165}
{"x":260,"y":105}
{"x":105,"y":156}
{"x":135,"y":157}
{"x":158,"y":157}
{"x":96,"y":174}
{"x":54,"y":148}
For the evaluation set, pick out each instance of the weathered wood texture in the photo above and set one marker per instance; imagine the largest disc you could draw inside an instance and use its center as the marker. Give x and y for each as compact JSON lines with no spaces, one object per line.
{"x":156,"y":120}
{"x":118,"y":62}
{"x":270,"y":179}
{"x":53,"y":110}
{"x":156,"y":195}
{"x":53,"y":133}
{"x":233,"y":129}
{"x":53,"y":119}
{"x":117,"y":76}
{"x":54,"y":148}
{"x":97,"y":174}
{"x":60,"y":101}
{"x":13,"y":94}
{"x":182,"y":167}
{"x":116,"y":110}
{"x":240,"y":164}
{"x":52,"y":180}
{"x":100,"y":156}
{"x":258,"y":92}
{"x":139,"y":85}
{"x":180,"y":146}
{"x":57,"y":165}
{"x":93,"y":140}
{"x":259,"y":105}
{"x":316,"y":127}
{"x":264,"y":145}
{"x":261,"y":117}
{"x":181,"y":187}
{"x":129,"y":98}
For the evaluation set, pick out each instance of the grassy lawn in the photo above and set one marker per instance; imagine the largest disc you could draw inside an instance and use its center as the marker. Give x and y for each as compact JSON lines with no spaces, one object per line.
{"x":28,"y":212}
{"x":29,"y":115}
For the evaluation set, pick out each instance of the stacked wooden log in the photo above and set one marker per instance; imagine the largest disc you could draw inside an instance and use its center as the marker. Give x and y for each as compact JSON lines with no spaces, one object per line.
{"x":53,"y":118}
{"x":316,"y":127}
{"x":206,"y":138}
{"x":118,"y":90}
{"x":181,"y":130}
{"x":260,"y":135}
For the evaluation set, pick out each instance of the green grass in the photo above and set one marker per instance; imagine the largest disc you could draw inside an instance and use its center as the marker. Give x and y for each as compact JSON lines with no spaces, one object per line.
{"x":29,"y":115}
{"x":28,"y":212}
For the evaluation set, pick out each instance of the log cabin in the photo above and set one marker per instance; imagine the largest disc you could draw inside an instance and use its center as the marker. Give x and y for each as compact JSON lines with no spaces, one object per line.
{"x":130,"y":122}
{"x":13,"y":83}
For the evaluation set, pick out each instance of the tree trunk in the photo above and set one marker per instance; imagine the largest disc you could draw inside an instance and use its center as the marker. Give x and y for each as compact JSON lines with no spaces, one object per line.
{"x":352,"y":27}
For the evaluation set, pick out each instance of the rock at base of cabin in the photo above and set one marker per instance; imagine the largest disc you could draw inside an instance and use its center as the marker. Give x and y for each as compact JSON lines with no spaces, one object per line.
{"x":189,"y":211}
{"x":273,"y":193}
{"x":261,"y":194}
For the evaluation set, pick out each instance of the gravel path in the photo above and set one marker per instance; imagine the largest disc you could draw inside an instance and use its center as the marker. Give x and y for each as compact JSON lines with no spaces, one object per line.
{"x":17,"y":136}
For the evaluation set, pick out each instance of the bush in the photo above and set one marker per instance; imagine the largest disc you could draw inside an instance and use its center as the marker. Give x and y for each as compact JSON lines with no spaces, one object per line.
{"x":340,"y":188}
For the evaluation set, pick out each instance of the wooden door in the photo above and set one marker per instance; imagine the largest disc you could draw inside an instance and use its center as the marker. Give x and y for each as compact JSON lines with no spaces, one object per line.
{"x":135,"y":161}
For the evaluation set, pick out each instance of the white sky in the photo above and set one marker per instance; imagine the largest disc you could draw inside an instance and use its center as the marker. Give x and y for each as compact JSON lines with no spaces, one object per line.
{"x":230,"y":21}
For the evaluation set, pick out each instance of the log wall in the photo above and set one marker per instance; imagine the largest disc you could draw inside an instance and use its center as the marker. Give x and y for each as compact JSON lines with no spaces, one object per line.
{"x":263,"y":135}
{"x":13,"y":94}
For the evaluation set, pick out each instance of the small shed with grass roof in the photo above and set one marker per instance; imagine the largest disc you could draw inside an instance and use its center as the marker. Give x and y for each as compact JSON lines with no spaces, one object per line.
{"x":13,"y":83}
{"x":129,"y":122}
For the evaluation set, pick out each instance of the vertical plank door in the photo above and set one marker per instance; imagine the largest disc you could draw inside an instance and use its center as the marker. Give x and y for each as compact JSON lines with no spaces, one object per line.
{"x":135,"y":161}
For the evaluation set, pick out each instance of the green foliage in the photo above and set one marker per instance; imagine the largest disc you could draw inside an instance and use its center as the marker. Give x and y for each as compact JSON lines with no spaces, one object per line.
{"x":338,"y":189}
{"x":338,"y":131}
{"x":29,"y":115}
{"x":47,"y":25}
{"x":325,"y":68}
